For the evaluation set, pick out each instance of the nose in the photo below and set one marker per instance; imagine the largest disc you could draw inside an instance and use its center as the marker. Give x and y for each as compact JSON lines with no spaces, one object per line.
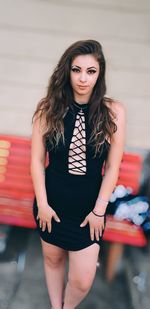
{"x":83,"y":77}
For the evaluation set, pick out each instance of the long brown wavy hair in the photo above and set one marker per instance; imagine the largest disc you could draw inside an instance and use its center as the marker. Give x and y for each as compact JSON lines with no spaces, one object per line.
{"x":60,"y":97}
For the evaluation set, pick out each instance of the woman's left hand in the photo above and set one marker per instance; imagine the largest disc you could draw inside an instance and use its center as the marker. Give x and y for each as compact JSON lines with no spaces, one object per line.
{"x":96,"y":225}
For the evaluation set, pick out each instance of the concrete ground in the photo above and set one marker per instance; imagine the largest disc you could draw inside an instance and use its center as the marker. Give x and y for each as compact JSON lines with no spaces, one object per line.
{"x":22,"y":281}
{"x":138,"y":276}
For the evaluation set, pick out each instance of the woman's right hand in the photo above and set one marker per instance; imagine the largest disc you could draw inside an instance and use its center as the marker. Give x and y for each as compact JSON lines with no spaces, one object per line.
{"x":45,"y":215}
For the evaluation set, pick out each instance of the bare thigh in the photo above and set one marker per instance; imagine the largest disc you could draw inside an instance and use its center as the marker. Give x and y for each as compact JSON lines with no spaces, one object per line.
{"x":52,"y":254}
{"x":82,"y":266}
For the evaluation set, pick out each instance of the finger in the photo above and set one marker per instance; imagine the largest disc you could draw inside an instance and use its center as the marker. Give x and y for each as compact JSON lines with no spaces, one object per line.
{"x":56,"y":218}
{"x":100,"y":232}
{"x":43,"y":226}
{"x":40,"y":223}
{"x":37,"y":217}
{"x":49,"y":226}
{"x":97,"y":234}
{"x":92,"y":233}
{"x":84,"y":223}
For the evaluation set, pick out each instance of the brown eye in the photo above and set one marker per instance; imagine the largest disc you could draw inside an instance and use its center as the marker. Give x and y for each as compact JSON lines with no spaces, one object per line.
{"x":75,"y":70}
{"x":91,"y":71}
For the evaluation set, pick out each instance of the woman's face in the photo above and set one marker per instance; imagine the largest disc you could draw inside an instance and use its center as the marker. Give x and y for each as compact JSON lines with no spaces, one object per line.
{"x":83,"y":76}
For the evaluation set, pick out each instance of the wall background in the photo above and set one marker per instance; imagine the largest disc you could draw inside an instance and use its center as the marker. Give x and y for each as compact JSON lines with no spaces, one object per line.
{"x":34,"y":34}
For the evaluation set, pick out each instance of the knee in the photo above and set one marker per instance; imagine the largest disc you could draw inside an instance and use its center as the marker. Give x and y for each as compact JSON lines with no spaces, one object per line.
{"x":54,"y":261}
{"x":82,"y":284}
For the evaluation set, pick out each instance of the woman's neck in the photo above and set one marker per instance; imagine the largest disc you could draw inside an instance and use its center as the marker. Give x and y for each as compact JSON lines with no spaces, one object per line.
{"x":81,"y":100}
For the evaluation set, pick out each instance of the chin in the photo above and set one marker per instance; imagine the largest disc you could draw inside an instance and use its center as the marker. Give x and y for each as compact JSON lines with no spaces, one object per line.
{"x":82,"y":91}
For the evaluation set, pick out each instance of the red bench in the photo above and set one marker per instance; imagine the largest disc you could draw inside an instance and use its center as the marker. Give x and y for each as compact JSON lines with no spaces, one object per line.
{"x":16,"y":191}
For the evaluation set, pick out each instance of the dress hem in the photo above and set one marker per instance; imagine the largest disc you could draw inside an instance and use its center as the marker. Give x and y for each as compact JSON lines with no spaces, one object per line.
{"x":71,"y":249}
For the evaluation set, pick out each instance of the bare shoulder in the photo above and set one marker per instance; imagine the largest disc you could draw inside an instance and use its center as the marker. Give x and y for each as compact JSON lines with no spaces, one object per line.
{"x":39,"y":121}
{"x":118,"y":109}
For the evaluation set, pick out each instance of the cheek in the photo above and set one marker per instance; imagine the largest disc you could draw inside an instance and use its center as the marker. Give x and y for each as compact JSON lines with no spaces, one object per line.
{"x":93,"y":81}
{"x":73,"y":80}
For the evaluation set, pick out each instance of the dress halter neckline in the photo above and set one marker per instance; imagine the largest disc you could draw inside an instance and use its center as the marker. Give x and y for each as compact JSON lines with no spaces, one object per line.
{"x":81,"y":106}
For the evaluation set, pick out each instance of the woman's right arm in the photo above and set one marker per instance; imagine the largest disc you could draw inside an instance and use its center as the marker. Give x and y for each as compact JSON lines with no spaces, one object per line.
{"x":37,"y":168}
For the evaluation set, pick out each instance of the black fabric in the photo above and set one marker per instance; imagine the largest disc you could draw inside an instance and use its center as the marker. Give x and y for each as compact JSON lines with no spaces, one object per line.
{"x":72,"y":196}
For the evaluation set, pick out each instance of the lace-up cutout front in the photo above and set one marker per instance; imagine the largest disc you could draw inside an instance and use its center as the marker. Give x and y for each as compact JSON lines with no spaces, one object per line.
{"x":77,"y":150}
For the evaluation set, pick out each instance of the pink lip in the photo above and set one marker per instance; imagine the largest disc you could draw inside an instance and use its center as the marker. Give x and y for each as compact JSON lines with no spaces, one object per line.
{"x":82,"y":86}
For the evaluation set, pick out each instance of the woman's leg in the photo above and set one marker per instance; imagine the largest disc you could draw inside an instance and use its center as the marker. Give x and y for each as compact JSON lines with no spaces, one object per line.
{"x":54,"y":266}
{"x":82,"y":269}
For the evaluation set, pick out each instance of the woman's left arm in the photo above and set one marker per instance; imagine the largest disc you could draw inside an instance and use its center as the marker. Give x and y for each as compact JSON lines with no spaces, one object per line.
{"x":96,"y":222}
{"x":114,"y":159}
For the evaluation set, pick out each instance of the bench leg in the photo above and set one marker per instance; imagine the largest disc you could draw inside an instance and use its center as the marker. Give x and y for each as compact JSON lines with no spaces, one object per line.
{"x":114,"y":256}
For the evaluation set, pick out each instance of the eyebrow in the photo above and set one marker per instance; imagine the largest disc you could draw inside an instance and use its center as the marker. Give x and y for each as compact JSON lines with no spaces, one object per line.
{"x":87,"y":68}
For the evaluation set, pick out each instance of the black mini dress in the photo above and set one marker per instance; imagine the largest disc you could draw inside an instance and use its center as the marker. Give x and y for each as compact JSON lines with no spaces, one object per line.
{"x":72,"y":180}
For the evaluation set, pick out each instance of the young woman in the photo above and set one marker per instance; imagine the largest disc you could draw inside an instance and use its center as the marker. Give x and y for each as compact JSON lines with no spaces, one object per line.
{"x":81,"y":129}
